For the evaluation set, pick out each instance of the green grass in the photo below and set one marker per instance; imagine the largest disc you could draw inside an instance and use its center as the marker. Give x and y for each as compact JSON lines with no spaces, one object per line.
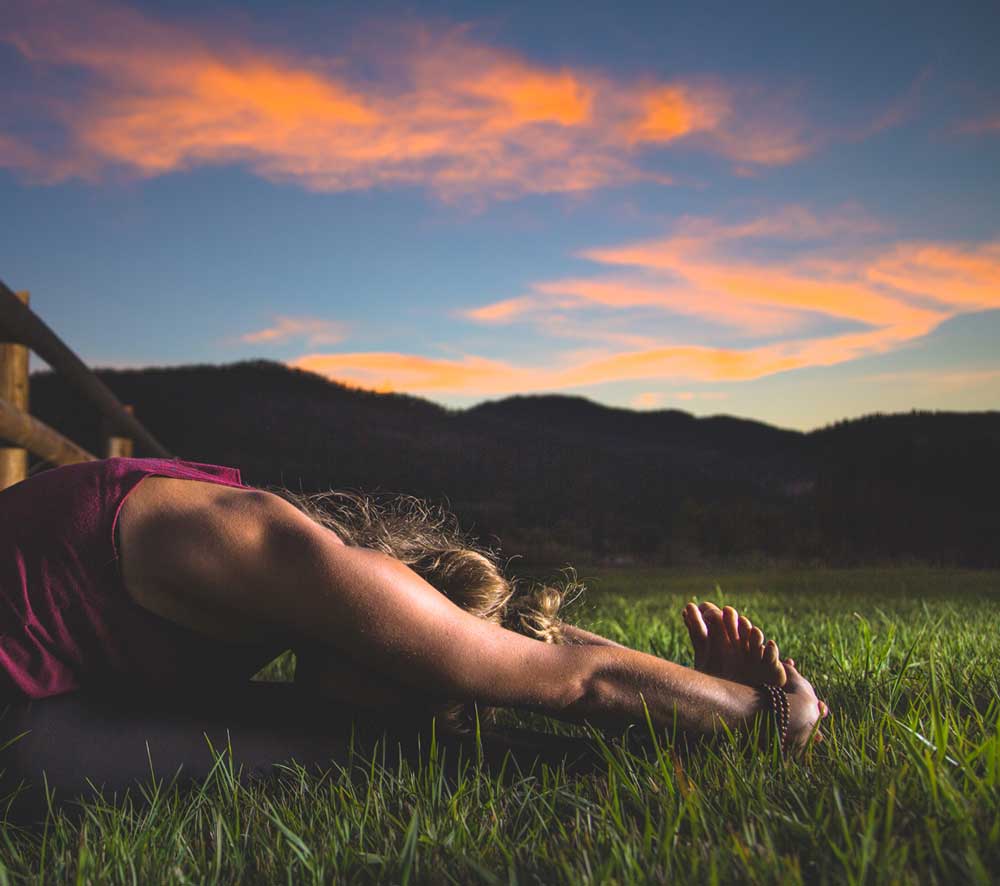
{"x":906,"y":788}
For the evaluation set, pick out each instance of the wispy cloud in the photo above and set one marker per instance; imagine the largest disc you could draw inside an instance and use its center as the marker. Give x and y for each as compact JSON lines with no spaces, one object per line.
{"x":892,"y":293}
{"x":390,"y":371}
{"x":316,"y":332}
{"x":900,"y":291}
{"x":689,"y":273}
{"x":955,"y":276}
{"x":423,"y":105}
{"x":393,"y":371}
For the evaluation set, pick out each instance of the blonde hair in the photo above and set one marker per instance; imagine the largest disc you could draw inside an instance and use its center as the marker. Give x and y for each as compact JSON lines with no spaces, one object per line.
{"x":427,"y":538}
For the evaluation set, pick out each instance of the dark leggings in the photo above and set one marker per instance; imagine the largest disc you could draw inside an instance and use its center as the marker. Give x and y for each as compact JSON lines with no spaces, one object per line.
{"x":104,"y":738}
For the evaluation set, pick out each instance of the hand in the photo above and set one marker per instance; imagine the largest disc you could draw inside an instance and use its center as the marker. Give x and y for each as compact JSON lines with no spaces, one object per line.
{"x":805,"y":710}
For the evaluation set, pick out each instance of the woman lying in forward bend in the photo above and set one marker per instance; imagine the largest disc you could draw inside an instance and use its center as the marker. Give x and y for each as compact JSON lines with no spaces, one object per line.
{"x":167,"y":579}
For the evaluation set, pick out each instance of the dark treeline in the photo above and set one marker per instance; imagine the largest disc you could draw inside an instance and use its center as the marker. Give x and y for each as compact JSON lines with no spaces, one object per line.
{"x":563,"y":478}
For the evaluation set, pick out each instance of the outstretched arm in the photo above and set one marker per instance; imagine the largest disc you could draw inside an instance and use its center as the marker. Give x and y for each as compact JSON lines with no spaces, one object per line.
{"x":380,"y":613}
{"x":283,"y":569}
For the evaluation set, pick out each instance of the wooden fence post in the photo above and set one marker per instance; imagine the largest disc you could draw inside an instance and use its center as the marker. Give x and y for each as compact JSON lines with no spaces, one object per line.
{"x":14,"y":389}
{"x":119,"y":446}
{"x":29,"y":329}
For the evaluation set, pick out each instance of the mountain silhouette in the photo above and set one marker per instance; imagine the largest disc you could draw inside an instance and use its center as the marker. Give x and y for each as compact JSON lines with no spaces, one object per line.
{"x":564,"y":478}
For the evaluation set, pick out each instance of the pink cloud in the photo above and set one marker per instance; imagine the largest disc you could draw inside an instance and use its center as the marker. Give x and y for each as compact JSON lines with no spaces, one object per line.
{"x":315,"y":331}
{"x":898,"y":292}
{"x":424,"y":105}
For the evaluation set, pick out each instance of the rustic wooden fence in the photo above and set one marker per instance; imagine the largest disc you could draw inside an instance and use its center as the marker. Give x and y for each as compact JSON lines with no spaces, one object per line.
{"x":21,"y":331}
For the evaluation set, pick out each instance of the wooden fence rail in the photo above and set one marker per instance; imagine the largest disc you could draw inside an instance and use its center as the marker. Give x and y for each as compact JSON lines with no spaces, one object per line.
{"x":22,"y":330}
{"x":35,"y":436}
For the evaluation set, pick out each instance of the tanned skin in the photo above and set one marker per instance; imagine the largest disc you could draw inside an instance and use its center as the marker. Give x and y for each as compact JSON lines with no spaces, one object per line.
{"x":244,"y":564}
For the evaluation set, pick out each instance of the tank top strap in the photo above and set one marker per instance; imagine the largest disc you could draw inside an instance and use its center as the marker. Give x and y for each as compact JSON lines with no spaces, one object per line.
{"x":231,"y":475}
{"x":122,"y":474}
{"x":181,"y":469}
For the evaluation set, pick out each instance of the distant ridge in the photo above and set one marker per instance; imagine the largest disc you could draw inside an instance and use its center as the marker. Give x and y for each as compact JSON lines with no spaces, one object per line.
{"x":562,"y":476}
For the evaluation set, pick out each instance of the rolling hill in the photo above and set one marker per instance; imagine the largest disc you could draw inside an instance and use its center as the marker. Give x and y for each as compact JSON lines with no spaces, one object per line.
{"x":561,"y":477}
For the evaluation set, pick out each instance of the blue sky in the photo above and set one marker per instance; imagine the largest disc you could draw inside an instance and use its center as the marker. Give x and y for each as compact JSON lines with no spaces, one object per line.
{"x":782,"y":211}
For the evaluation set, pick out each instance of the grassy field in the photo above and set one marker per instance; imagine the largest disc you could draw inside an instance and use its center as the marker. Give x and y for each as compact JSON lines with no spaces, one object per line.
{"x":906,"y":788}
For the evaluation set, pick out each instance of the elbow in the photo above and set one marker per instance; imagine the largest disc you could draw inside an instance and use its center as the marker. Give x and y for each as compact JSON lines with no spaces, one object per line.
{"x":580,"y":694}
{"x":601,"y":693}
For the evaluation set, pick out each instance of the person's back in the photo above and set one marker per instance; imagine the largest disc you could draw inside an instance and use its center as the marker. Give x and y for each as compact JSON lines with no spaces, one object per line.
{"x":66,"y":620}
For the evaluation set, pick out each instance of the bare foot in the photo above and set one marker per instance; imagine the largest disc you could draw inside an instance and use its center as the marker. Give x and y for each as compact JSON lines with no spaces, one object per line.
{"x":727,"y":645}
{"x":806,"y":711}
{"x":824,"y":711}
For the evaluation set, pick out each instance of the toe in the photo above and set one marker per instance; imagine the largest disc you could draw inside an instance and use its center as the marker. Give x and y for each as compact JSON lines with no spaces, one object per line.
{"x":695,"y":624}
{"x":711,"y":615}
{"x":745,"y":628}
{"x":698,"y":632}
{"x":757,"y":641}
{"x":777,"y":674}
{"x":709,"y":611}
{"x":730,"y":618}
{"x":771,"y":653}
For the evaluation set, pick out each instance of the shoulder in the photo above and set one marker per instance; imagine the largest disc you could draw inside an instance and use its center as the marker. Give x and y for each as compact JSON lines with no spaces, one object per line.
{"x":181,"y":534}
{"x":159,"y":504}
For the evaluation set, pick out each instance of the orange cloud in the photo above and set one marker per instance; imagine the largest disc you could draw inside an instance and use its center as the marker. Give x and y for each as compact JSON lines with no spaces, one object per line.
{"x":671,"y":112}
{"x":737,"y":121}
{"x":688,"y":273}
{"x":315,"y":331}
{"x":502,"y":311}
{"x":786,"y":288}
{"x":532,"y":96}
{"x":417,"y":106}
{"x":897,"y":293}
{"x":680,"y":362}
{"x":479,"y":376}
{"x":386,"y":371}
{"x":892,"y":321}
{"x":677,"y":299}
{"x":954,"y":276}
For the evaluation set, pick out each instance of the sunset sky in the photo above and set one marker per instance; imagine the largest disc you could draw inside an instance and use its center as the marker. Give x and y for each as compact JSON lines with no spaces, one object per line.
{"x":779,"y":211}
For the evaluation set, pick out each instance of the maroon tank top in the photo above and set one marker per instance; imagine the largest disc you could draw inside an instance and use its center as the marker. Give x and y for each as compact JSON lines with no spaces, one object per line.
{"x":66,"y":620}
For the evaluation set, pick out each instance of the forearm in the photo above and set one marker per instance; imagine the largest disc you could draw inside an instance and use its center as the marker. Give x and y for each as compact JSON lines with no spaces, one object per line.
{"x":619,"y":680}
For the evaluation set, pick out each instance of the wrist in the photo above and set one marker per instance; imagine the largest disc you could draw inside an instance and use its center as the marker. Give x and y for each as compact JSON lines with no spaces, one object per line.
{"x":776,"y":709}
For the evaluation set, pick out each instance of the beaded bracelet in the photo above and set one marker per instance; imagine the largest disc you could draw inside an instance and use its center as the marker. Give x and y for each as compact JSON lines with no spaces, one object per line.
{"x":777,"y":703}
